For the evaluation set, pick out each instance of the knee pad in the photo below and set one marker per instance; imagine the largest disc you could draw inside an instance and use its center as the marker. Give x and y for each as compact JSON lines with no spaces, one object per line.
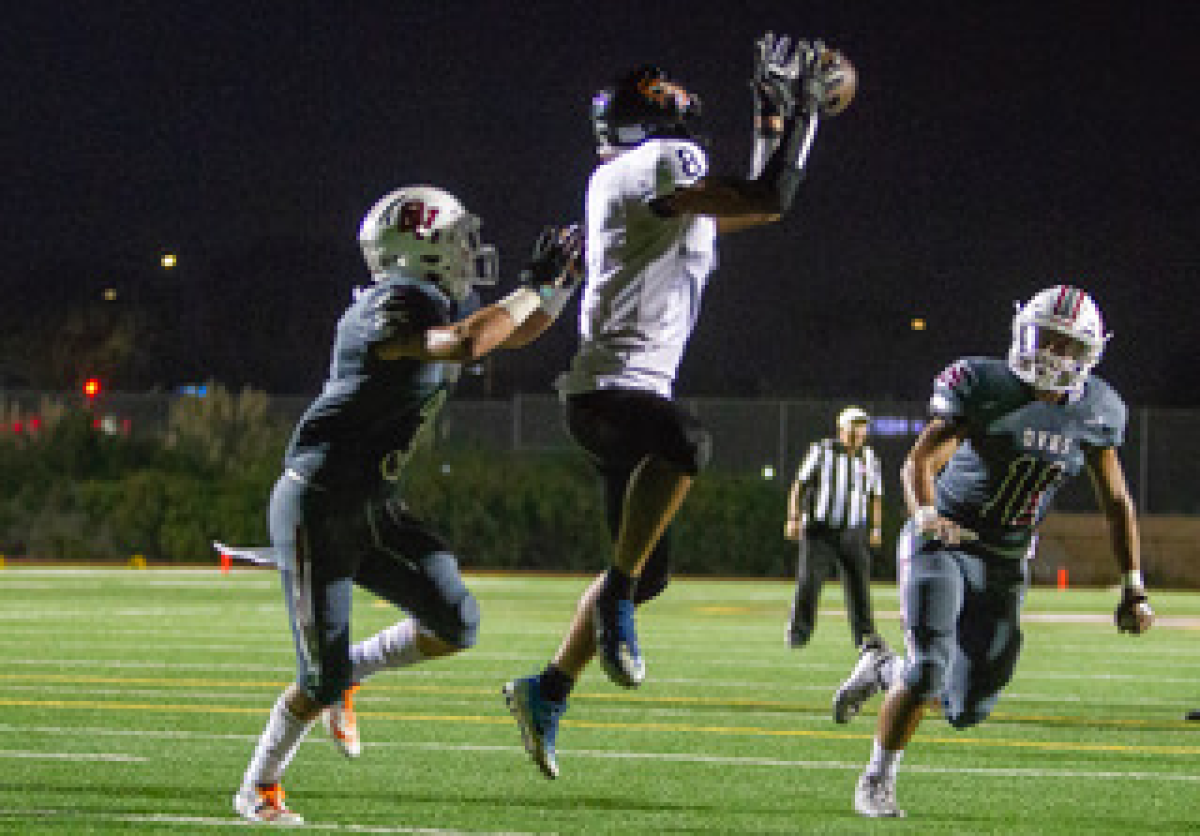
{"x":459,"y":625}
{"x":967,"y":718}
{"x":455,"y":619}
{"x":468,"y":623}
{"x":925,"y":678}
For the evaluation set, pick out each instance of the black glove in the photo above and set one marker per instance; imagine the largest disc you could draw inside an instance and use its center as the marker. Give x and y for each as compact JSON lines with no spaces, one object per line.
{"x":554,"y":269}
{"x":777,"y":66}
{"x":1133,"y":614}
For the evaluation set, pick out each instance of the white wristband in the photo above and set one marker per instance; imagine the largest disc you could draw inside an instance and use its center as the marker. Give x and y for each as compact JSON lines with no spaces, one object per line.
{"x":1133,"y":579}
{"x":521,"y":304}
{"x":924,"y":517}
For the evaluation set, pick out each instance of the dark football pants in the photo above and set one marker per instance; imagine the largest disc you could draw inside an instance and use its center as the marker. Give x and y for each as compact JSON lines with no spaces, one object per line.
{"x":822,"y":553}
{"x":962,"y":624}
{"x":326,"y":546}
{"x":618,"y":428}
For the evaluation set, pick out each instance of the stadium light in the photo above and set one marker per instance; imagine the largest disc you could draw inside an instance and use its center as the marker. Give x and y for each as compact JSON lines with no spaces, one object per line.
{"x":168,"y":261}
{"x":917,"y":323}
{"x":110,"y":294}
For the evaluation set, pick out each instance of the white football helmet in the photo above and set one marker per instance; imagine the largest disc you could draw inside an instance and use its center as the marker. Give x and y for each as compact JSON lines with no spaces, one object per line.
{"x":424,"y":231}
{"x":1058,"y":337}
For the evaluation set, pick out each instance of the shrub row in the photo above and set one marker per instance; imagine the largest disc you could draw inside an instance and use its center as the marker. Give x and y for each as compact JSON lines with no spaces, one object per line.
{"x":75,"y":490}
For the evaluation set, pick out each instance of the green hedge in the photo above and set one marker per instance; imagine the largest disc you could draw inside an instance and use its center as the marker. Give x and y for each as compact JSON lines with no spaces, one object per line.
{"x":72,"y":491}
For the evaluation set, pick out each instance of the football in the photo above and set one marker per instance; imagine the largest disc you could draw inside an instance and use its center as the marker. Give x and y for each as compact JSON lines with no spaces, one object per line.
{"x":839,"y":81}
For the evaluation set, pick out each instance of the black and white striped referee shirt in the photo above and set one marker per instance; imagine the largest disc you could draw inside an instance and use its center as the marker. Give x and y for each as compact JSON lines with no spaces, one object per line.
{"x":838,"y":484}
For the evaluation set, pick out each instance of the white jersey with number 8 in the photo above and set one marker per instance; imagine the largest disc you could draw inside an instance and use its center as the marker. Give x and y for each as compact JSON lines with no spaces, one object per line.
{"x":645,"y":272}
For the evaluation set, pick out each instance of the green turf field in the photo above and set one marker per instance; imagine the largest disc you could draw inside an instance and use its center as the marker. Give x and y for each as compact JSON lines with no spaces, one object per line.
{"x":130,"y":701}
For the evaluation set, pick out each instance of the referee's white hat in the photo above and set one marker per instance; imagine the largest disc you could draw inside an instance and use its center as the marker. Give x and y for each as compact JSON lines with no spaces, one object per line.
{"x":851,"y":415}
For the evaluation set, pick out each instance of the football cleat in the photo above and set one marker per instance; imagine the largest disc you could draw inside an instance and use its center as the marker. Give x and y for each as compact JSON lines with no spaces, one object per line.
{"x":864,"y":682}
{"x":875,"y":797}
{"x":538,"y":720}
{"x":616,"y":641}
{"x":264,"y":803}
{"x":341,"y":722}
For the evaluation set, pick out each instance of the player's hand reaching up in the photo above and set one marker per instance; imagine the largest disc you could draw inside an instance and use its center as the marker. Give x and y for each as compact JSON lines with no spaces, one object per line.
{"x":555,"y":267}
{"x":777,"y":67}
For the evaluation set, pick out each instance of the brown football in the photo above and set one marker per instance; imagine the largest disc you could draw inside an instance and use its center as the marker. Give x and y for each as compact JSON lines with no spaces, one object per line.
{"x":840,"y":81}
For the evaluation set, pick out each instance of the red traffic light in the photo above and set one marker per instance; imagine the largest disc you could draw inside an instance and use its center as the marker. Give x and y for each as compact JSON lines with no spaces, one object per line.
{"x":91,"y":387}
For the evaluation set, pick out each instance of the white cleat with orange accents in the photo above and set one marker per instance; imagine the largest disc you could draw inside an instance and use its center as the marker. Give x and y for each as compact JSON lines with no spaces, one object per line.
{"x":264,"y":804}
{"x":342,"y":724}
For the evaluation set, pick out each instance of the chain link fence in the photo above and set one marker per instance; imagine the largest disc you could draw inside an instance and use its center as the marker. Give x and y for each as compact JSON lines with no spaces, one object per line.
{"x":760,"y":437}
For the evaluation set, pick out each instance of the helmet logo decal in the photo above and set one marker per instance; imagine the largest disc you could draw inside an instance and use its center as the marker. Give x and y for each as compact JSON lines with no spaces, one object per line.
{"x":413,"y":217}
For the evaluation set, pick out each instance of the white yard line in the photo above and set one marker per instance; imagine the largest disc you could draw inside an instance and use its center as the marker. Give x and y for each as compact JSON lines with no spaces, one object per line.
{"x":210,"y":821}
{"x":673,"y":757}
{"x":71,"y":756}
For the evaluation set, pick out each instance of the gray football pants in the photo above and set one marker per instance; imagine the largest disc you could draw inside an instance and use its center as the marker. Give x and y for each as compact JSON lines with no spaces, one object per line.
{"x":327,"y":545}
{"x":962,"y":624}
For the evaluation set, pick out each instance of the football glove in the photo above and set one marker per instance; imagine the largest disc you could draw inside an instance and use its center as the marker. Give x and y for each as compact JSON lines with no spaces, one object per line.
{"x":554,"y":269}
{"x":777,"y":66}
{"x":1133,"y":614}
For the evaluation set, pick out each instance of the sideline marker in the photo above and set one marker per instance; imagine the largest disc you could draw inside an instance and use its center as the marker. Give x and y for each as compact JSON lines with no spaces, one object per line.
{"x":1062,"y":577}
{"x":225,"y":562}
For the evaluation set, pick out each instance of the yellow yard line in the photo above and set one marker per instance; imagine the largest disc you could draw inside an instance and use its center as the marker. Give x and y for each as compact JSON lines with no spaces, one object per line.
{"x":470,"y":690}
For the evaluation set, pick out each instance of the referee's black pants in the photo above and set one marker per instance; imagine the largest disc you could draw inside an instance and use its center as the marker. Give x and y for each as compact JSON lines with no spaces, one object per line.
{"x":823,"y":552}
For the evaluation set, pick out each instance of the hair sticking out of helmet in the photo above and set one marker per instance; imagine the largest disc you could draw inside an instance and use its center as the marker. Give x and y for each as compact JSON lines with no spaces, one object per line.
{"x":1058,"y":337}
{"x":643,"y":104}
{"x":425,"y":232}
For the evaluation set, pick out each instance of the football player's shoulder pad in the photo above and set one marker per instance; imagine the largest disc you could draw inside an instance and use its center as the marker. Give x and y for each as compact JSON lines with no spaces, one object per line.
{"x":398,"y":306}
{"x":1107,"y":414}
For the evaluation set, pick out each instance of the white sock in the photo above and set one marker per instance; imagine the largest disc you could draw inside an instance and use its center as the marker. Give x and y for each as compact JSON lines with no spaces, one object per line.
{"x":884,"y":761}
{"x":278,"y":743}
{"x":392,"y":647}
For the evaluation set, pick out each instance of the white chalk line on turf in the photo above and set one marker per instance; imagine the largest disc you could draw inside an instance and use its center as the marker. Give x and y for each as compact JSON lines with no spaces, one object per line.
{"x":71,"y":756}
{"x":207,"y":821}
{"x":601,"y":754}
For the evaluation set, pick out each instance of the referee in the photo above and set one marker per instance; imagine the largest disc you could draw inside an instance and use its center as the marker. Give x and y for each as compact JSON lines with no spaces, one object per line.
{"x":835,"y":510}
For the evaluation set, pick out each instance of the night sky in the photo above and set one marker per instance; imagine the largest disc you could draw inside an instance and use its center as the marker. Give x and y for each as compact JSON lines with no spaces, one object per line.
{"x":993,"y":149}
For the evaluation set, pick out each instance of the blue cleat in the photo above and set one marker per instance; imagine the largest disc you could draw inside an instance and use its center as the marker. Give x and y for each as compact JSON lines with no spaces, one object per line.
{"x":616,"y":641}
{"x":538,"y":720}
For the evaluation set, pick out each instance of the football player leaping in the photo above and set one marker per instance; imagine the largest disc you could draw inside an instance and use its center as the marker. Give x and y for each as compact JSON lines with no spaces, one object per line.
{"x":653,"y":212}
{"x":1009,"y":434}
{"x":335,"y":517}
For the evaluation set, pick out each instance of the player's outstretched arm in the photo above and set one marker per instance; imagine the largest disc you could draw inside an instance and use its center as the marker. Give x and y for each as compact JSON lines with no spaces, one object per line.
{"x":1133,"y":614}
{"x":794,"y":82}
{"x":550,"y":277}
{"x":554,"y":271}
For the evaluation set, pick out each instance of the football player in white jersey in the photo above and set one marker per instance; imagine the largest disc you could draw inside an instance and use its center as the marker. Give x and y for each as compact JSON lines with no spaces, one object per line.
{"x":653,"y":213}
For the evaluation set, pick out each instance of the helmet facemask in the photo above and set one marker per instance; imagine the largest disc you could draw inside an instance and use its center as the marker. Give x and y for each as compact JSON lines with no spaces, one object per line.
{"x":1058,"y":338}
{"x":424,"y":232}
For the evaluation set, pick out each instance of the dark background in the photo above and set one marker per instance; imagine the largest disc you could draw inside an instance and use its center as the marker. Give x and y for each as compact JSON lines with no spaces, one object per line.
{"x":993,"y":149}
